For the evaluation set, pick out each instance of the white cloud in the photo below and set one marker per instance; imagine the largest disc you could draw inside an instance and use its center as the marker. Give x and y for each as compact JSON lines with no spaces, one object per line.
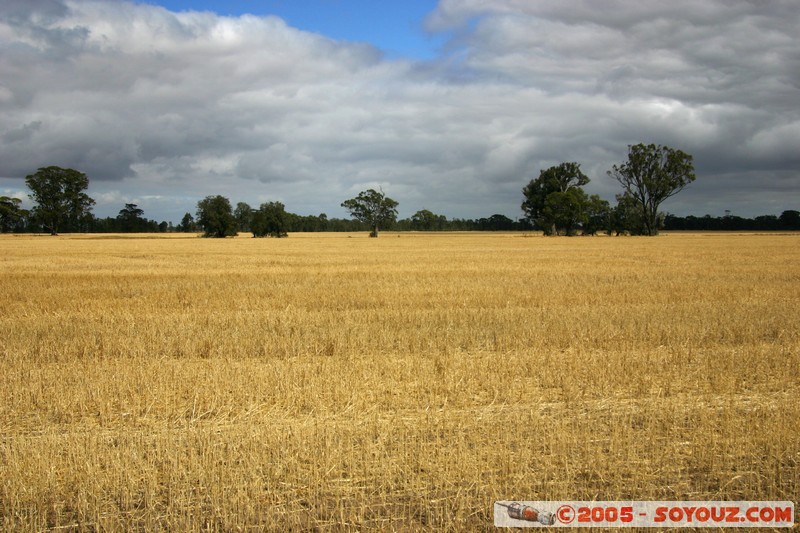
{"x":168,"y":108}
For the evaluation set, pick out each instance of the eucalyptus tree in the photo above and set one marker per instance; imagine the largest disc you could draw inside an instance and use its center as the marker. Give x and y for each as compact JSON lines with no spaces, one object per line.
{"x":373,"y":208}
{"x":60,"y":197}
{"x":651,"y":175}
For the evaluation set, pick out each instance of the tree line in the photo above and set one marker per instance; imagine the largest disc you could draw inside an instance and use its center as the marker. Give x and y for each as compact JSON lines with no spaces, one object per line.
{"x":217,"y":217}
{"x":554,"y":203}
{"x":788,"y":220}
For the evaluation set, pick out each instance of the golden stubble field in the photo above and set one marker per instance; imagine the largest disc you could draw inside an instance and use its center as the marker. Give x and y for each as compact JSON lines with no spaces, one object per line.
{"x":336,"y":382}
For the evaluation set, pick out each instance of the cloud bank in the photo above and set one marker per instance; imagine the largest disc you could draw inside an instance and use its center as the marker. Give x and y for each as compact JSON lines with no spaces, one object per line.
{"x":165,"y":108}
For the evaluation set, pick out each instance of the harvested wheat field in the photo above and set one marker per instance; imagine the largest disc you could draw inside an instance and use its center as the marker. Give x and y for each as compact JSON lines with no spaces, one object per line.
{"x":337,"y":382}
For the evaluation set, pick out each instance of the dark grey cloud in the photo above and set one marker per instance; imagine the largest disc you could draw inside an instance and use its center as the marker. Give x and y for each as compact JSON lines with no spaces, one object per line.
{"x":167,"y":108}
{"x":23,"y":133}
{"x":24,"y":12}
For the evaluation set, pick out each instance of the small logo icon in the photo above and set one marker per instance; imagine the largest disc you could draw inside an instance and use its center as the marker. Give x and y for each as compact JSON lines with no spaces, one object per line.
{"x":527,"y":513}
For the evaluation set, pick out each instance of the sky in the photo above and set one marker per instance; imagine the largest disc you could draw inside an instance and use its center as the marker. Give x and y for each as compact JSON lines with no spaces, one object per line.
{"x":452,"y":106}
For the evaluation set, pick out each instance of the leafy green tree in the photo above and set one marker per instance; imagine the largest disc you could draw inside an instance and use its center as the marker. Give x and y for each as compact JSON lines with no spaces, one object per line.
{"x":566,"y":210}
{"x":559,"y":179}
{"x":60,"y":197}
{"x":651,"y":175}
{"x":627,"y":216}
{"x":322,"y":222}
{"x":425,"y":220}
{"x":271,"y":219}
{"x":187,"y":224}
{"x":598,"y":215}
{"x":790,"y":219}
{"x":131,"y":219}
{"x":11,"y":213}
{"x":373,"y":208}
{"x":244,"y":216}
{"x":496,"y":222}
{"x":215,"y":217}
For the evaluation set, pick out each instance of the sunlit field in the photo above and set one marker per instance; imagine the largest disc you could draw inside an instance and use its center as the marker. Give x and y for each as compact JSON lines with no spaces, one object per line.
{"x":337,"y":382}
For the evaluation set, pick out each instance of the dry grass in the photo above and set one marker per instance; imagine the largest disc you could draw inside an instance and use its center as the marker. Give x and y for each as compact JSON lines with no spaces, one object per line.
{"x":339,"y":382}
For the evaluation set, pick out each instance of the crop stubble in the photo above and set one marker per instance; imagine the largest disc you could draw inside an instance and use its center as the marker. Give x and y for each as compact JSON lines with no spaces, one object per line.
{"x":333,"y":381}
